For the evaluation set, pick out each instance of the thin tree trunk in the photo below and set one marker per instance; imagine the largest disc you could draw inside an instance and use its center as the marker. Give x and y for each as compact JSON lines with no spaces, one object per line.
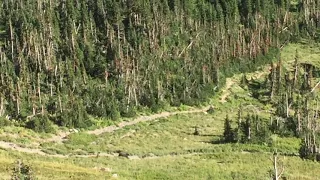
{"x":287,"y":104}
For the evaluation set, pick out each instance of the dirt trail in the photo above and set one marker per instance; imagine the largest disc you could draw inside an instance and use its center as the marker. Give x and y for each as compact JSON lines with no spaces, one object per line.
{"x":144,"y":119}
{"x":225,"y":91}
{"x":15,"y":147}
{"x":230,"y":82}
{"x":62,"y":136}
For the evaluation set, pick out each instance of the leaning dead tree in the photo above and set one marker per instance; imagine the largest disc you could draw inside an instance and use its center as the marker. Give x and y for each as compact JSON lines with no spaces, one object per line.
{"x":278,"y":167}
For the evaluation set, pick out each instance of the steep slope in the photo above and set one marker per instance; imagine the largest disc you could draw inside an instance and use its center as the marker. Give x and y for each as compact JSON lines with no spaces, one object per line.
{"x":64,"y":60}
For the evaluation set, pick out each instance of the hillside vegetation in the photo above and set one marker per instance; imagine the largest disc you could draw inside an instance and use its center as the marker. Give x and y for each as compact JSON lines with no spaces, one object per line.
{"x":62,"y":61}
{"x":159,"y":89}
{"x":168,"y":148}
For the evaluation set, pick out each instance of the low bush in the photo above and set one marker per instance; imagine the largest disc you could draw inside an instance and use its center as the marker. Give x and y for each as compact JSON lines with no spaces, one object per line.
{"x":40,"y":123}
{"x":22,"y":171}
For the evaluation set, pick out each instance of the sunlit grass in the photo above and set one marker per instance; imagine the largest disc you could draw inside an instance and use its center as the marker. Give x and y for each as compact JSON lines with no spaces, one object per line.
{"x":226,"y":164}
{"x":307,"y":53}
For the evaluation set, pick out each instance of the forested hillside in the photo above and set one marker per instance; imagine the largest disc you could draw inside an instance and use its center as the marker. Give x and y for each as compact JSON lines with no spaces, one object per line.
{"x":64,"y":60}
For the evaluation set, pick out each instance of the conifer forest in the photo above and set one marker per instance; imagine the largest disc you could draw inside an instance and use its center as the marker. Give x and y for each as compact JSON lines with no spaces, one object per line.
{"x":65,"y":63}
{"x":64,"y":60}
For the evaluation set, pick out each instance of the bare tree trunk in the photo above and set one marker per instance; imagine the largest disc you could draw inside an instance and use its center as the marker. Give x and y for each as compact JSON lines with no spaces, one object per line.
{"x":273,"y":78}
{"x":277,"y":174}
{"x":287,"y":104}
{"x":60,"y":104}
{"x":275,"y":167}
{"x":299,"y":120}
{"x":295,"y":70}
{"x":1,"y":106}
{"x":18,"y":98}
{"x":11,"y":37}
{"x":39,"y":90}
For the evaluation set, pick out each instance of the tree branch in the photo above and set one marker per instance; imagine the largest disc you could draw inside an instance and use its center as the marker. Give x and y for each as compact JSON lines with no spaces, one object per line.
{"x":188,"y":46}
{"x":315,"y":86}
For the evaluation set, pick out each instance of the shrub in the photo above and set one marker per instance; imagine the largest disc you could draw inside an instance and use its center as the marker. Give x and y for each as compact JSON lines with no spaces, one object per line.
{"x":77,"y":117}
{"x":22,"y":171}
{"x":157,"y":107}
{"x":128,"y":112}
{"x":210,"y":110}
{"x":4,"y":122}
{"x":40,"y":123}
{"x":310,"y":153}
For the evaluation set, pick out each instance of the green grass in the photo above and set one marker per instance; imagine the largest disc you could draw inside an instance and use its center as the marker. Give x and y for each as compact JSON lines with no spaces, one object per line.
{"x":219,"y":165}
{"x":307,"y":53}
{"x":176,"y":132}
{"x":174,"y":135}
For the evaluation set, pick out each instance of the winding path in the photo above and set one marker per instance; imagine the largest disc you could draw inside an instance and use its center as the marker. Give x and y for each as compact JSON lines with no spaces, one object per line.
{"x":60,"y":137}
{"x":144,"y":119}
{"x":225,"y":91}
{"x":15,"y":147}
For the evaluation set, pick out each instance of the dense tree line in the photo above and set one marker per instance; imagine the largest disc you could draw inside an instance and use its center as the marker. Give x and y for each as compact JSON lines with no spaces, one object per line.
{"x":61,"y":61}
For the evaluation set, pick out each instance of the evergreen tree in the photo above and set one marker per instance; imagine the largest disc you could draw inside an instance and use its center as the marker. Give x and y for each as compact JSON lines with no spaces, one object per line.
{"x":228,"y":133}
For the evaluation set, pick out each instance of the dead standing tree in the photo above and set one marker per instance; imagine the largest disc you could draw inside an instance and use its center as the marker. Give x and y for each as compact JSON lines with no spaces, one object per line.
{"x":278,"y":167}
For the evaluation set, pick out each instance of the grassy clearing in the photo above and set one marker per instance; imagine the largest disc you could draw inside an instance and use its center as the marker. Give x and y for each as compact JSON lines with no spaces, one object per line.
{"x":307,"y":53}
{"x":176,"y":133}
